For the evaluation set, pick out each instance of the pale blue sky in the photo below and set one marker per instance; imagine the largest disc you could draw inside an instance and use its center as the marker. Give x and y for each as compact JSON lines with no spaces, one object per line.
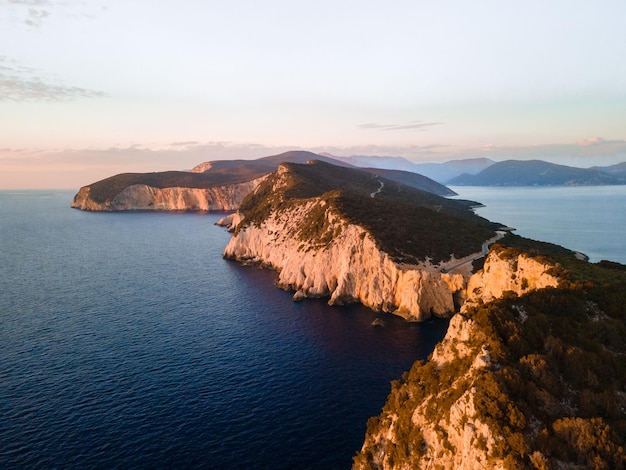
{"x":92,"y":88}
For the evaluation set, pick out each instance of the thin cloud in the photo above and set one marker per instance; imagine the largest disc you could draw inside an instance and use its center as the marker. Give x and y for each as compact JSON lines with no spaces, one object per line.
{"x":30,"y":2}
{"x":413,"y":125}
{"x":599,"y":141}
{"x":23,"y":84}
{"x":185,"y":143}
{"x":34,"y":13}
{"x":372,"y":125}
{"x":36,"y":17}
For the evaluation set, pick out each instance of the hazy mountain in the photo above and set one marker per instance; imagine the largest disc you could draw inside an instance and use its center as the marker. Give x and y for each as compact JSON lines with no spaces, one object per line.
{"x":444,"y":172}
{"x":535,"y":173}
{"x":616,"y":170}
{"x":440,"y":172}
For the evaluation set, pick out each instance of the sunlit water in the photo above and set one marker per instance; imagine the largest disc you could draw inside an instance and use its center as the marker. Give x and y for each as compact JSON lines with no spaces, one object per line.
{"x":589,"y":219}
{"x":126,"y":341}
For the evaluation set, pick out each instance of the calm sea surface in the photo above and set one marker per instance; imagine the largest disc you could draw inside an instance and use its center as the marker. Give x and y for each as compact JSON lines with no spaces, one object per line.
{"x":589,"y":219}
{"x":126,"y":341}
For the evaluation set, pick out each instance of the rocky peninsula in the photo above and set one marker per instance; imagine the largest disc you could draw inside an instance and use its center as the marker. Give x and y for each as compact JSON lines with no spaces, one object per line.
{"x":313,"y":224}
{"x":530,"y":373}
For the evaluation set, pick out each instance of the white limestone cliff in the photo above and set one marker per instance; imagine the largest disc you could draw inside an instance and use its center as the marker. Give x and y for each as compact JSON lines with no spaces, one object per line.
{"x":347,"y":266}
{"x":518,"y":274}
{"x":230,"y":221}
{"x":142,"y":197}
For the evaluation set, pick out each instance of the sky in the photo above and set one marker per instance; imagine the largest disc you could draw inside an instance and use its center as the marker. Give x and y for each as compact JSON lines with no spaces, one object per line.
{"x":92,"y":88}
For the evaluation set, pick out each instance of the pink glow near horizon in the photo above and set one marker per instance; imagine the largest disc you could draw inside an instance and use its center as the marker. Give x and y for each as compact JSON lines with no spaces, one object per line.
{"x":92,"y":89}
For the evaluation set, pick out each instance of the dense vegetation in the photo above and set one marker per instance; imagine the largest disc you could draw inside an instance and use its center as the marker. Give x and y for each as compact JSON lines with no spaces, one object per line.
{"x":556,"y":389}
{"x":410,"y":232}
{"x":407,"y":223}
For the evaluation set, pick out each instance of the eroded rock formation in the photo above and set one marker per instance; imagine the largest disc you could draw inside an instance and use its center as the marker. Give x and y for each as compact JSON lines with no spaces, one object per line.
{"x":345,"y":264}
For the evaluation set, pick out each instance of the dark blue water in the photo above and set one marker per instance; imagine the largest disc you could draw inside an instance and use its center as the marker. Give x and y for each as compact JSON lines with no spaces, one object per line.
{"x":127,"y":341}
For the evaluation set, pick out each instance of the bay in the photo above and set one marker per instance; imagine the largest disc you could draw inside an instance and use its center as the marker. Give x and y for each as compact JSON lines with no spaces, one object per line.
{"x":127,"y":341}
{"x":589,"y":219}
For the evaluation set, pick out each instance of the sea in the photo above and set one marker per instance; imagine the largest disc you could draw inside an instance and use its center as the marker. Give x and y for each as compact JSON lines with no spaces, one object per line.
{"x":588,"y":219}
{"x":127,"y":341}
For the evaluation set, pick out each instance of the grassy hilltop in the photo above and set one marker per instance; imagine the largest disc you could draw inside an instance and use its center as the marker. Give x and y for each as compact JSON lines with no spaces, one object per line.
{"x":408,"y":223}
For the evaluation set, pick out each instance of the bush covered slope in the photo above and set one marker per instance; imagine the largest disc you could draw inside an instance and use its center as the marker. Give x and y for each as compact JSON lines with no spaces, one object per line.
{"x":531,"y":381}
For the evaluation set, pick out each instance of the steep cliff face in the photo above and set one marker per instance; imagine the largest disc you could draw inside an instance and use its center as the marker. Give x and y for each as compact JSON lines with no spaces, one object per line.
{"x":143,"y":197}
{"x":343,"y":262}
{"x":444,"y":430}
{"x":513,"y":384}
{"x":502,"y":273}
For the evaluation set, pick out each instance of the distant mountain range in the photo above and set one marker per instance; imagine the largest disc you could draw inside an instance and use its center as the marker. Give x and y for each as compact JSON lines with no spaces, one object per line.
{"x":440,"y":172}
{"x":222,"y":184}
{"x":540,"y":173}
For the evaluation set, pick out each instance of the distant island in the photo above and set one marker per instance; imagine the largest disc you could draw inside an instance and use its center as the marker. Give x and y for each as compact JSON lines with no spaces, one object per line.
{"x":531,"y":371}
{"x":540,"y":173}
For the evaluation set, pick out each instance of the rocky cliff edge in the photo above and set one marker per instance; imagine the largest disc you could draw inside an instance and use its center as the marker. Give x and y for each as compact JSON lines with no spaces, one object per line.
{"x":346,"y":265}
{"x":529,"y":375}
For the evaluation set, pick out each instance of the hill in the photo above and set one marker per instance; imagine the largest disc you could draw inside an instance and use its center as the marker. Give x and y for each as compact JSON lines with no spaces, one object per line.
{"x":401,"y":175}
{"x":414,"y":180}
{"x":264,"y":164}
{"x":215,"y":185}
{"x":535,"y":173}
{"x":405,"y":222}
{"x":618,"y":169}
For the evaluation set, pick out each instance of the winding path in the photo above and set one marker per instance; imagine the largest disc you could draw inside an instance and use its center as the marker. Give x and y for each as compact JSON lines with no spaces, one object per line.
{"x":382,"y":185}
{"x":482,"y":253}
